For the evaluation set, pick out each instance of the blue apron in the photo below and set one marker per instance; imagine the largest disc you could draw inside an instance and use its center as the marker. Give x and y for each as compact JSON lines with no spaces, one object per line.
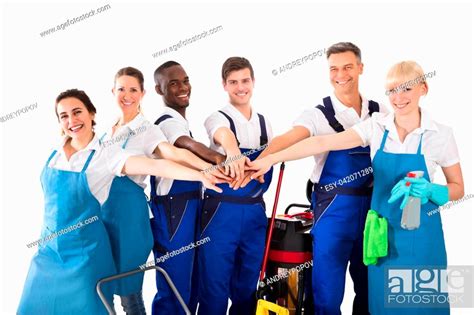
{"x":64,"y":272}
{"x":174,"y":226}
{"x":235,"y":222}
{"x":423,"y":247}
{"x":340,"y":201}
{"x":126,"y":218}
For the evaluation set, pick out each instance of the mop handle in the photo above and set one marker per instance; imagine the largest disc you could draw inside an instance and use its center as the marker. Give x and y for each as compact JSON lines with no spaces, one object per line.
{"x":272,"y":222}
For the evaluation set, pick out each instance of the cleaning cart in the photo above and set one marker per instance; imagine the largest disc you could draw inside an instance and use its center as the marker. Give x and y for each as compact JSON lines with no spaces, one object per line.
{"x":287,"y":263}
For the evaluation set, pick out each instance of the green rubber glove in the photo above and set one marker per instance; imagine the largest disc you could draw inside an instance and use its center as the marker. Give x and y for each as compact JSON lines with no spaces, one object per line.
{"x":425,"y":190}
{"x":400,"y":189}
{"x":375,"y":238}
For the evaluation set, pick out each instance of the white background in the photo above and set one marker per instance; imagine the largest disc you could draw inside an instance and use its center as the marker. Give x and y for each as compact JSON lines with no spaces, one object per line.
{"x":87,"y":55}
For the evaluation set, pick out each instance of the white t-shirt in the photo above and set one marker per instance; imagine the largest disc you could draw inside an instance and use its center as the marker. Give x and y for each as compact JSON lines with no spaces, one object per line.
{"x":438,"y":144}
{"x":140,"y":137}
{"x":172,"y":128}
{"x":313,"y":119}
{"x":104,"y":166}
{"x":248,"y":131}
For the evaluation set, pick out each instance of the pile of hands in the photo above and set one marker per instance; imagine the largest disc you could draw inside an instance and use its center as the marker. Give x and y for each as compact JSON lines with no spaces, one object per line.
{"x":237,"y":170}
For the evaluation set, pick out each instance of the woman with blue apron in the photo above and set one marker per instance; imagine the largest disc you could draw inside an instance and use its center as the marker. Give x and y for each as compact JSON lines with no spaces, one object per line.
{"x":408,"y":249}
{"x":75,"y":251}
{"x":126,"y":213}
{"x":401,"y":143}
{"x":65,"y":270}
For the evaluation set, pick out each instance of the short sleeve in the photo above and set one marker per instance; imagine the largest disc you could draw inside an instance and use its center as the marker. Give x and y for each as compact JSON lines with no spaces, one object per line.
{"x":152,"y":138}
{"x":214,"y":122}
{"x":116,"y":158}
{"x":365,"y":130}
{"x":172,"y":128}
{"x":307,"y":119}
{"x":450,"y":154}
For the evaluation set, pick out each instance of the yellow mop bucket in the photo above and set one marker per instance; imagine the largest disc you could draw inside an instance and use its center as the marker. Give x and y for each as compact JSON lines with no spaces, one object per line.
{"x":264,"y":306}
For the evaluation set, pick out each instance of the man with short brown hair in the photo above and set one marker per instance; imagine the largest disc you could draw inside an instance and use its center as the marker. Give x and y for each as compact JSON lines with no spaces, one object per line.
{"x":235,"y":221}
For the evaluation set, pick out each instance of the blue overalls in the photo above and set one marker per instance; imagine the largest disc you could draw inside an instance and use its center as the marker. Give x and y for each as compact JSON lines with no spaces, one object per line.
{"x":235,"y":222}
{"x":407,"y":249}
{"x":340,"y":202}
{"x":64,"y":272}
{"x":174,"y":225}
{"x":126,"y":218}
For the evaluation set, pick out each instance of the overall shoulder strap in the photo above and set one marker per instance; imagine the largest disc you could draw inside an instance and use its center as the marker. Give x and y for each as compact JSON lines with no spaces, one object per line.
{"x":50,"y":158}
{"x":125,"y":143}
{"x":330,"y":114}
{"x":162,"y":118}
{"x":232,"y":126}
{"x":419,"y":144}
{"x":88,"y":161}
{"x":166,"y":116}
{"x":153,"y":178}
{"x":102,"y":138}
{"x":373,"y":107}
{"x":152,"y":186}
{"x":384,"y":139}
{"x":263,"y":130}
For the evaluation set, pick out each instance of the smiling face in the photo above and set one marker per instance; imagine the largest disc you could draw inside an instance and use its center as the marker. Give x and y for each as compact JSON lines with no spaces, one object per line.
{"x":74,"y":118}
{"x":239,"y":85}
{"x":128,"y":94}
{"x":405,"y":88}
{"x":174,"y":86}
{"x":344,"y":71}
{"x":405,"y":100}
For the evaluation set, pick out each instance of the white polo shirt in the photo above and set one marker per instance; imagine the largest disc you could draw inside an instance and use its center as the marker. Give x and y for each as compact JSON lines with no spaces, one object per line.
{"x":313,"y":119}
{"x":438,"y":144}
{"x":143,"y":138}
{"x":172,"y":128}
{"x":248,"y":131}
{"x":104,"y":166}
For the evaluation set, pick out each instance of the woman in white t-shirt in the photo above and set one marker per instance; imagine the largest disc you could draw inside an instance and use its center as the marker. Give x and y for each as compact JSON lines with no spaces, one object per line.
{"x":74,"y":252}
{"x":400,"y":142}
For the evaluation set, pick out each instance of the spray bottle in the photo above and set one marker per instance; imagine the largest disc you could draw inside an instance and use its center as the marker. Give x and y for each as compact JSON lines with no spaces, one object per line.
{"x":411,"y":211}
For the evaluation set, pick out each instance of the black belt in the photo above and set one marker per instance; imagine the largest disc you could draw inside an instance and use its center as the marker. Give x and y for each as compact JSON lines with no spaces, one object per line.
{"x":234,"y":199}
{"x":343,"y":190}
{"x":187,"y":195}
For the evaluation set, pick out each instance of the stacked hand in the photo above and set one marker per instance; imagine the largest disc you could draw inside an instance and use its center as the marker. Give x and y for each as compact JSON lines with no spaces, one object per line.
{"x":238,"y":170}
{"x":220,"y":175}
{"x":260,"y":166}
{"x":248,"y":173}
{"x":234,"y":165}
{"x":209,"y":181}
